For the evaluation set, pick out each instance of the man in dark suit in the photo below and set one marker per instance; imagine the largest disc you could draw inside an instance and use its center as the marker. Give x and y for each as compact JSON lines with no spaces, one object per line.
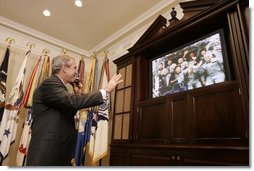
{"x":53,"y":128}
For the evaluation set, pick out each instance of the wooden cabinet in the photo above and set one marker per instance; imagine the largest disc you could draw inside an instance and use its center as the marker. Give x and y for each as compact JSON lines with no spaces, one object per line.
{"x":178,"y":155}
{"x":201,"y":126}
{"x":123,"y":102}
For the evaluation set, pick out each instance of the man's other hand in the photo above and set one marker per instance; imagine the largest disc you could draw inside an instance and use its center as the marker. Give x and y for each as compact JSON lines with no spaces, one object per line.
{"x":116,"y":79}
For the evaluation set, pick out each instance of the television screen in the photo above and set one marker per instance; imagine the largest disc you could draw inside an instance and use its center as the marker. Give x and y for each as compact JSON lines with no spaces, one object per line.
{"x":197,"y":64}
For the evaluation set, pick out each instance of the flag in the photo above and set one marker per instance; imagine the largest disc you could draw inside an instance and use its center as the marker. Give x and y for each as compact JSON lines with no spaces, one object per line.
{"x":98,"y":145}
{"x":3,"y":78}
{"x":10,"y":118}
{"x":85,"y":121}
{"x":44,"y":70}
{"x":82,"y":115}
{"x":40,"y":72}
{"x":88,"y":113}
{"x":26,"y":133}
{"x":90,"y":79}
{"x":100,"y":148}
{"x":87,"y":130}
{"x":83,"y":138}
{"x":31,"y":84}
{"x":24,"y":140}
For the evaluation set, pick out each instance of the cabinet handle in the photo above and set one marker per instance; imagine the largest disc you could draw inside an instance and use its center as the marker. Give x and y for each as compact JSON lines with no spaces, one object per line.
{"x":178,"y":158}
{"x":136,"y":136}
{"x":173,"y":157}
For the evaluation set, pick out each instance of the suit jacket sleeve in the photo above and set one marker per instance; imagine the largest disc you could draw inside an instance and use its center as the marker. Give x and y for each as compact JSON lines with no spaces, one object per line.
{"x":56,"y":95}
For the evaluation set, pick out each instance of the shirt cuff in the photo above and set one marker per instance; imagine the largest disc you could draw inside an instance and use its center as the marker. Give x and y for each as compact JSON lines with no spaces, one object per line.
{"x":104,"y":94}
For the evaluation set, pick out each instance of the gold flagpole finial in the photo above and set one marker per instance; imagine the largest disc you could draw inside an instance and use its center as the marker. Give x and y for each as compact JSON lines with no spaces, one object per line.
{"x":10,"y":40}
{"x":82,"y":57}
{"x":64,"y":51}
{"x":106,"y":53}
{"x":45,"y":52}
{"x":30,"y":45}
{"x":95,"y":54}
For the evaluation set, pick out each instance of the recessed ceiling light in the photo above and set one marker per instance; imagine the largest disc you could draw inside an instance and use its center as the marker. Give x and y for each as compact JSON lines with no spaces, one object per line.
{"x":46,"y":13}
{"x":78,"y":3}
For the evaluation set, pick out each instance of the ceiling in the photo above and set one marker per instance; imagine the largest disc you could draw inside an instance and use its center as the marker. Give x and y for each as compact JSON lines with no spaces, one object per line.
{"x":84,"y":27}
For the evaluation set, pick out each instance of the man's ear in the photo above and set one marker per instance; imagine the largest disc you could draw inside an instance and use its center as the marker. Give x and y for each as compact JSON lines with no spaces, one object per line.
{"x":64,"y":68}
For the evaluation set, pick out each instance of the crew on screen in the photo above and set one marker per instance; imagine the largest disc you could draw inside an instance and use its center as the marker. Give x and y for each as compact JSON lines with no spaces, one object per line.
{"x":197,"y":67}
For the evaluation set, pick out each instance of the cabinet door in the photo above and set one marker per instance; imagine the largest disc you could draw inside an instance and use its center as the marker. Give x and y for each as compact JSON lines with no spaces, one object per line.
{"x":179,"y":118}
{"x":122,"y":107}
{"x":152,"y":121}
{"x":218,"y":116}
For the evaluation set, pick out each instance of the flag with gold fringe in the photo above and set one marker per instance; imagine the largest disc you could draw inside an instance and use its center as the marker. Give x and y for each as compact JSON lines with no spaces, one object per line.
{"x":100,"y":134}
{"x":39,"y":73}
{"x":89,"y":86}
{"x":3,"y":78}
{"x":10,"y":118}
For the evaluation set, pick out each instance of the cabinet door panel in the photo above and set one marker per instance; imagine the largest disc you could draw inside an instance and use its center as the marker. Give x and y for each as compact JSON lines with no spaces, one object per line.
{"x":179,"y":119}
{"x":218,"y":116}
{"x":153,"y":121}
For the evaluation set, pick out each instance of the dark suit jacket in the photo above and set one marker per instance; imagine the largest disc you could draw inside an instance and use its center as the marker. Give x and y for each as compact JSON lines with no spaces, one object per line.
{"x":53,"y":131}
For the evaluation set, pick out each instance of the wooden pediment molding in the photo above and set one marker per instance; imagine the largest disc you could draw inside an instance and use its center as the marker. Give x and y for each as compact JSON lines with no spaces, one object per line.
{"x":160,"y":25}
{"x":155,"y":29}
{"x":192,"y":8}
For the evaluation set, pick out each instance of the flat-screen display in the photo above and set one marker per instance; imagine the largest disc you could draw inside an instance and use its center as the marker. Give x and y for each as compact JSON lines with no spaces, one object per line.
{"x":197,"y":64}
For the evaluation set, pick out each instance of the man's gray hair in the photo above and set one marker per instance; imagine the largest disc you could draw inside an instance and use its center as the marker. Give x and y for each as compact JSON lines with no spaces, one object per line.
{"x":60,"y":60}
